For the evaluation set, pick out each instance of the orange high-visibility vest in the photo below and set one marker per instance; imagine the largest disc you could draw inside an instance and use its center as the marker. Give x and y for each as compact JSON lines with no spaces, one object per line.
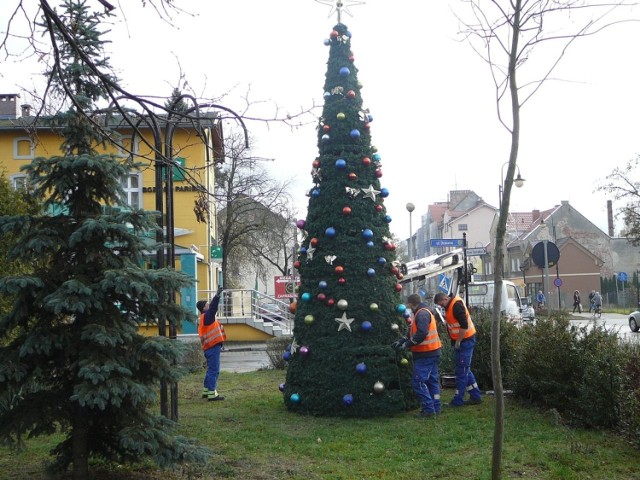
{"x":210,"y":335}
{"x":452,"y":324}
{"x":432,"y":340}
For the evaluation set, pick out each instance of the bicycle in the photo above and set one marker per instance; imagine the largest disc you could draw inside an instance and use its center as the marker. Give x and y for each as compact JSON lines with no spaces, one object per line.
{"x":597,"y":312}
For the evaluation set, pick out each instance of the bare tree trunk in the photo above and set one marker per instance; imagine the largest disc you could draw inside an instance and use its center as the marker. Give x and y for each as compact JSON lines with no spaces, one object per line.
{"x":496,"y":368}
{"x":80,"y":446}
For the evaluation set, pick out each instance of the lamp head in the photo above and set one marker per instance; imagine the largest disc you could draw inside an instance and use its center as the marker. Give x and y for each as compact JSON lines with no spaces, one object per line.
{"x":410,"y":207}
{"x":519,"y":181}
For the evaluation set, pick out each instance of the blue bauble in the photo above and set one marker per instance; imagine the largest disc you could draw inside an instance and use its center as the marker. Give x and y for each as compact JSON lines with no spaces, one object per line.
{"x":295,"y":398}
{"x":366,"y":325}
{"x":370,"y":244}
{"x":387,"y":218}
{"x":348,"y":34}
{"x":327,"y":42}
{"x":347,"y":399}
{"x":382,"y":260}
{"x":341,"y":163}
{"x":376,"y":157}
{"x":326,"y":95}
{"x":287,"y":348}
{"x":345,"y":72}
{"x":406,"y":314}
{"x":281,"y":387}
{"x":330,"y":232}
{"x":303,"y":250}
{"x":286,"y":356}
{"x":355,"y":134}
{"x":384,"y":193}
{"x":315,"y":193}
{"x":306,"y":297}
{"x":371,"y":272}
{"x":326,"y":138}
{"x":370,"y":118}
{"x":322,"y":284}
{"x":361,"y":367}
{"x":367,"y":234}
{"x":400,"y":308}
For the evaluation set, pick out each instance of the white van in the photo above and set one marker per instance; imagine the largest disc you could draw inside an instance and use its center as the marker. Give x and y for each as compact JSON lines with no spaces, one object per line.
{"x":481,"y":296}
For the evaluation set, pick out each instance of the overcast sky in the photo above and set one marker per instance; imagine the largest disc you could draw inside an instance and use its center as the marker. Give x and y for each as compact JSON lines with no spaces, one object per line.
{"x":430,"y":95}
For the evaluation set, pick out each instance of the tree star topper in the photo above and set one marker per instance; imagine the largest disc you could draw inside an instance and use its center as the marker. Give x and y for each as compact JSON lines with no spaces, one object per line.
{"x":340,"y":5}
{"x":345,"y":323}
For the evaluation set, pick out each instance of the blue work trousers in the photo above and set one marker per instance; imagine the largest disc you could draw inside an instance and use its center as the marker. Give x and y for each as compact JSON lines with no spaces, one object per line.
{"x":213,"y":367}
{"x":465,"y":380}
{"x":426,"y":383}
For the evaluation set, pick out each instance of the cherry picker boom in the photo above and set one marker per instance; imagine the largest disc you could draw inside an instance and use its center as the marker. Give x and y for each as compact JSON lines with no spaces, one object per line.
{"x":428,"y":267}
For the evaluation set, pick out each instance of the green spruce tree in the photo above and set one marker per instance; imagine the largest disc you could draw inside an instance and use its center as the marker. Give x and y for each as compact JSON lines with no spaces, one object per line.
{"x":349,"y":307}
{"x":73,"y":360}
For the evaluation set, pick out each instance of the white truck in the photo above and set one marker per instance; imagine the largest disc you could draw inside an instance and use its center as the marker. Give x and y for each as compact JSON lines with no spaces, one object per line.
{"x":480,"y":294}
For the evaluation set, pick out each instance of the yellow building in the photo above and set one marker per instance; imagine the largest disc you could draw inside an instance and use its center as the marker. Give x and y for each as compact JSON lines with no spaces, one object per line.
{"x":196,"y":148}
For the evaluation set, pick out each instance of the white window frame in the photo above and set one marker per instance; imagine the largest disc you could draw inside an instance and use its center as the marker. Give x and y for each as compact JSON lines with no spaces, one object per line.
{"x":18,"y":182}
{"x":32,"y":148}
{"x":130,"y":190}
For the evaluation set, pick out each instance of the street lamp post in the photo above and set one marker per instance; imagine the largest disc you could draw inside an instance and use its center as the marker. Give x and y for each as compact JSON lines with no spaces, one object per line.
{"x":410,"y":208}
{"x":544,"y":236}
{"x":518,"y":182}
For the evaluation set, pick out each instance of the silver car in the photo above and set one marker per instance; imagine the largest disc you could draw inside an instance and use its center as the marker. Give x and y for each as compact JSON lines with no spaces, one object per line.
{"x":634,"y":321}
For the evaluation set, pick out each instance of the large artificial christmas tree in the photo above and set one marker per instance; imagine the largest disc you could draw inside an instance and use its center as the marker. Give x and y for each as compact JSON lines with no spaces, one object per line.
{"x":348,"y":309}
{"x":71,"y":357}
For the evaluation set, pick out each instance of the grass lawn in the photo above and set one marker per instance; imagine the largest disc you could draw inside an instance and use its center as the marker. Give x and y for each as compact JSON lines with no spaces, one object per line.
{"x":252,"y":436}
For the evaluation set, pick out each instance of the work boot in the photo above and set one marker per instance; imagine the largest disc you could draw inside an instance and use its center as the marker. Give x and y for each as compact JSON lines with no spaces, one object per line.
{"x":214,"y":396}
{"x":473,"y":401}
{"x":205,"y":393}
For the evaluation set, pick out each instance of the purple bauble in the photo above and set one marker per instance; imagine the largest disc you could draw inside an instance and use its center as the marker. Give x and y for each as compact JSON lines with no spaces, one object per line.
{"x":304,"y":351}
{"x":301,"y":224}
{"x":281,"y":387}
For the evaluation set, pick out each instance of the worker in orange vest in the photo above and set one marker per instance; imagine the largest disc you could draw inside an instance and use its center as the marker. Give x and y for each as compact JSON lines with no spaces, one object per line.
{"x":463,"y":338}
{"x":424,"y":344}
{"x":212,"y":337}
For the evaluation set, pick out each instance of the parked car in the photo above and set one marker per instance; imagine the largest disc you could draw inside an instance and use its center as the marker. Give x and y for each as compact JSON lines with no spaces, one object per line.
{"x":634,"y":321}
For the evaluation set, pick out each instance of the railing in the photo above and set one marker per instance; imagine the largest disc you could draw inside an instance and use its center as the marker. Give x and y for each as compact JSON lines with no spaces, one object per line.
{"x":245,"y":303}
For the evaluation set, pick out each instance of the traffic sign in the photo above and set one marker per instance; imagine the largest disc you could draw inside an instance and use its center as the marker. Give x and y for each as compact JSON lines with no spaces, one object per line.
{"x":476,"y":252}
{"x":557,"y":282}
{"x":444,"y":283}
{"x":622,"y":276}
{"x":447,"y":242}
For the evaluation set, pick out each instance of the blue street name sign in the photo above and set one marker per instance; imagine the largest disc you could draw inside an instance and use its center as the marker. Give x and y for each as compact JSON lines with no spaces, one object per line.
{"x":447,"y":242}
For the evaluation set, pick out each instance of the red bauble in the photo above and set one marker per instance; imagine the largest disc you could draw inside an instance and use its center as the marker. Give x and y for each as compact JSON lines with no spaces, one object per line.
{"x":339,"y":269}
{"x":313,"y":241}
{"x":392,"y":246}
{"x":395,"y":270}
{"x":352,"y":176}
{"x":367,"y":125}
{"x":322,"y":297}
{"x":342,"y":280}
{"x":387,"y":246}
{"x":379,"y":208}
{"x":399,"y":276}
{"x":326,"y":128}
{"x":292,"y":307}
{"x":366,"y":161}
{"x":346,"y":211}
{"x":398,"y":287}
{"x":315,"y":164}
{"x":331,"y":302}
{"x":351,"y":94}
{"x":296,"y":264}
{"x":351,"y":58}
{"x":334,"y":33}
{"x":378,"y":173}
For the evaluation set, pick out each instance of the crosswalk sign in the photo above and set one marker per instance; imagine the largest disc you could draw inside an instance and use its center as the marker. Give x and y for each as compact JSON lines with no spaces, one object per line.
{"x":444,"y":283}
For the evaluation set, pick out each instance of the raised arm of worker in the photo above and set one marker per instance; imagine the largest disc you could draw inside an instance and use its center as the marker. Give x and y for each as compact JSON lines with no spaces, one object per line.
{"x":210,"y":314}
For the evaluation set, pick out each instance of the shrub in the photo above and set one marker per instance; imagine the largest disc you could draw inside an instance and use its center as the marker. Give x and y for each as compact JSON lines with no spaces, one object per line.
{"x":629,"y":399}
{"x":275,"y":348}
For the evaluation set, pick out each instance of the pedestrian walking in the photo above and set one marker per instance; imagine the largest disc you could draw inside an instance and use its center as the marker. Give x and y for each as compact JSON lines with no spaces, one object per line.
{"x":463,"y":338}
{"x":576,"y":302}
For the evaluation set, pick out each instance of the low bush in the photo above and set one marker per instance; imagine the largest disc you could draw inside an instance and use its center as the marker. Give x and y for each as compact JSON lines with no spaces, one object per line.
{"x":275,"y":348}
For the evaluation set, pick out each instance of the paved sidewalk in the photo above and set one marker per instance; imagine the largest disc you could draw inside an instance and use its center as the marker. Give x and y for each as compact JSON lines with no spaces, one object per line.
{"x":244,"y":357}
